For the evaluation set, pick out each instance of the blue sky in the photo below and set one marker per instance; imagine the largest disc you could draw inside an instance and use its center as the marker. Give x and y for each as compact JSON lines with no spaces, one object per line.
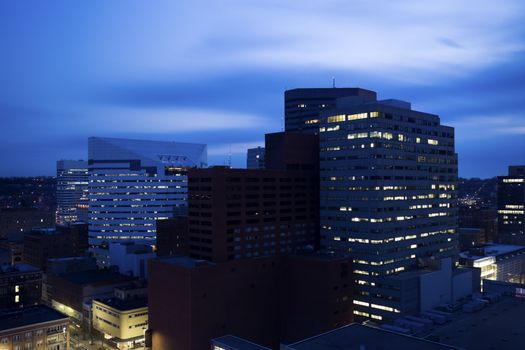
{"x":215,"y":71}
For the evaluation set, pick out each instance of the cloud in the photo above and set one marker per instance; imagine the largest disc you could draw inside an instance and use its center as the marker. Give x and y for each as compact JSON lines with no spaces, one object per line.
{"x":173,"y":120}
{"x":233,"y":148}
{"x":488,"y":127}
{"x":401,"y":40}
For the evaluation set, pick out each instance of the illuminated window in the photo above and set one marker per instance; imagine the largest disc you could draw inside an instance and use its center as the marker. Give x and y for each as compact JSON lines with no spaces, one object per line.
{"x":336,"y":118}
{"x":357,"y":116}
{"x":312,"y":121}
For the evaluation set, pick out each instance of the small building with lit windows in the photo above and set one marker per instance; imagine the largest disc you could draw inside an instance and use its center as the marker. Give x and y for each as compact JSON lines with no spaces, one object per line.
{"x":36,"y":327}
{"x":497,"y":262}
{"x":123,"y":318}
{"x":72,"y":191}
{"x":20,"y":286}
{"x":511,"y":206}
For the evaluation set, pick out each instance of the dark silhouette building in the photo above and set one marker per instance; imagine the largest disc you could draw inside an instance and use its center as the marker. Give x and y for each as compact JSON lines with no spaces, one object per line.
{"x":20,"y":286}
{"x":243,"y":213}
{"x":249,"y":266}
{"x":303,"y":106}
{"x":266,"y":300}
{"x":58,"y":242}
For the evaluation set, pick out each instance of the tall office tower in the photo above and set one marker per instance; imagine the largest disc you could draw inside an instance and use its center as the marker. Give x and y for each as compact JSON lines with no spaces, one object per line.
{"x":255,"y":158}
{"x":303,"y":106}
{"x":511,"y":206}
{"x":388,"y":194}
{"x":133,"y":183}
{"x":72,"y":190}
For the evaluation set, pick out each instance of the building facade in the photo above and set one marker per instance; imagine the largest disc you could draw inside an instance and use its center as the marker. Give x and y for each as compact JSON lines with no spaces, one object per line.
{"x":511,"y":206}
{"x":388,"y":193}
{"x":73,"y":292}
{"x":20,"y":286}
{"x":497,"y":262}
{"x":72,"y":191}
{"x":265,"y":299}
{"x":123,"y":318}
{"x":302,"y":107}
{"x":133,"y":183}
{"x":58,"y":242}
{"x":244,"y":213}
{"x":255,"y":158}
{"x":38,"y":327}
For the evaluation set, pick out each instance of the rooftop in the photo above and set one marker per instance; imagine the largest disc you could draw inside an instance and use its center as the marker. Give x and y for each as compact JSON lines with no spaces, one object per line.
{"x":184,"y":261}
{"x":18,"y":268}
{"x":124,"y":305}
{"x":357,"y":336}
{"x":29,"y":316}
{"x":94,"y":276}
{"x":237,"y":343}
{"x":497,"y":326}
{"x":493,"y":250}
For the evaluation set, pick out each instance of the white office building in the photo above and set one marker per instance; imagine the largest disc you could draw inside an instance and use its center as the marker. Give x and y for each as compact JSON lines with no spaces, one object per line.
{"x":72,"y":191}
{"x":133,"y":183}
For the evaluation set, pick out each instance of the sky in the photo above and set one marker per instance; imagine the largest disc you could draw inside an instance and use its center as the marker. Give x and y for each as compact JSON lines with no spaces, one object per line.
{"x":215,"y":72}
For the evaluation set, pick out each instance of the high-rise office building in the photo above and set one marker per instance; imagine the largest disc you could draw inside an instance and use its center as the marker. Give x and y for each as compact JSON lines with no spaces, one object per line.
{"x":388,"y":193}
{"x":511,"y":206}
{"x":72,"y":189}
{"x":133,"y":183}
{"x":255,"y":158}
{"x":302,"y":106}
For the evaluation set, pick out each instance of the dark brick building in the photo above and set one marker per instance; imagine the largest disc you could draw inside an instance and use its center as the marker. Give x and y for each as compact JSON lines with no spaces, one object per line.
{"x":267,"y":299}
{"x":244,"y":213}
{"x":62,"y":241}
{"x":20,"y":286}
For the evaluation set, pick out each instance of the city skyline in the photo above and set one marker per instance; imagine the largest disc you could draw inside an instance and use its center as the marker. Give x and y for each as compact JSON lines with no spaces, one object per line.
{"x":216,"y":73}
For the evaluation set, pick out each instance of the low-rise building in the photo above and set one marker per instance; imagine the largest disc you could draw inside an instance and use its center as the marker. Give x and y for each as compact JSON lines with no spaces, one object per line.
{"x":231,"y":342}
{"x":56,"y":242}
{"x":37,"y":327}
{"x":123,"y":319}
{"x":72,"y":293}
{"x":20,"y":285}
{"x":5,"y":256}
{"x":498,"y":262}
{"x":264,"y":299}
{"x":470,"y":237}
{"x":351,"y":337}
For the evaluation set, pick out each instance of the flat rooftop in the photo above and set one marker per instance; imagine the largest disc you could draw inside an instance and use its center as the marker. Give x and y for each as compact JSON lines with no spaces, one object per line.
{"x":498,"y":326}
{"x":493,"y":250}
{"x":94,"y":276}
{"x":29,"y":316}
{"x":18,"y":268}
{"x":124,"y":305}
{"x":357,"y":336}
{"x":237,"y":343}
{"x":184,"y":261}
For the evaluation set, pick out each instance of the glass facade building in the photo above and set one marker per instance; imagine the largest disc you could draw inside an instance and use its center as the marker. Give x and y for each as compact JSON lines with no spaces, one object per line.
{"x":72,"y":191}
{"x":134,"y":183}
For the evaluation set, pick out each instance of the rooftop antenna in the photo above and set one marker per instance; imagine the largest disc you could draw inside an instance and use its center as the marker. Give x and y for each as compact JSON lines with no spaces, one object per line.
{"x":230,"y":157}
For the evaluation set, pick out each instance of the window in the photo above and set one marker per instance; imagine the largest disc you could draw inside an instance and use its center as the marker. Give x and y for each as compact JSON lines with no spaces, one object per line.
{"x":336,"y":118}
